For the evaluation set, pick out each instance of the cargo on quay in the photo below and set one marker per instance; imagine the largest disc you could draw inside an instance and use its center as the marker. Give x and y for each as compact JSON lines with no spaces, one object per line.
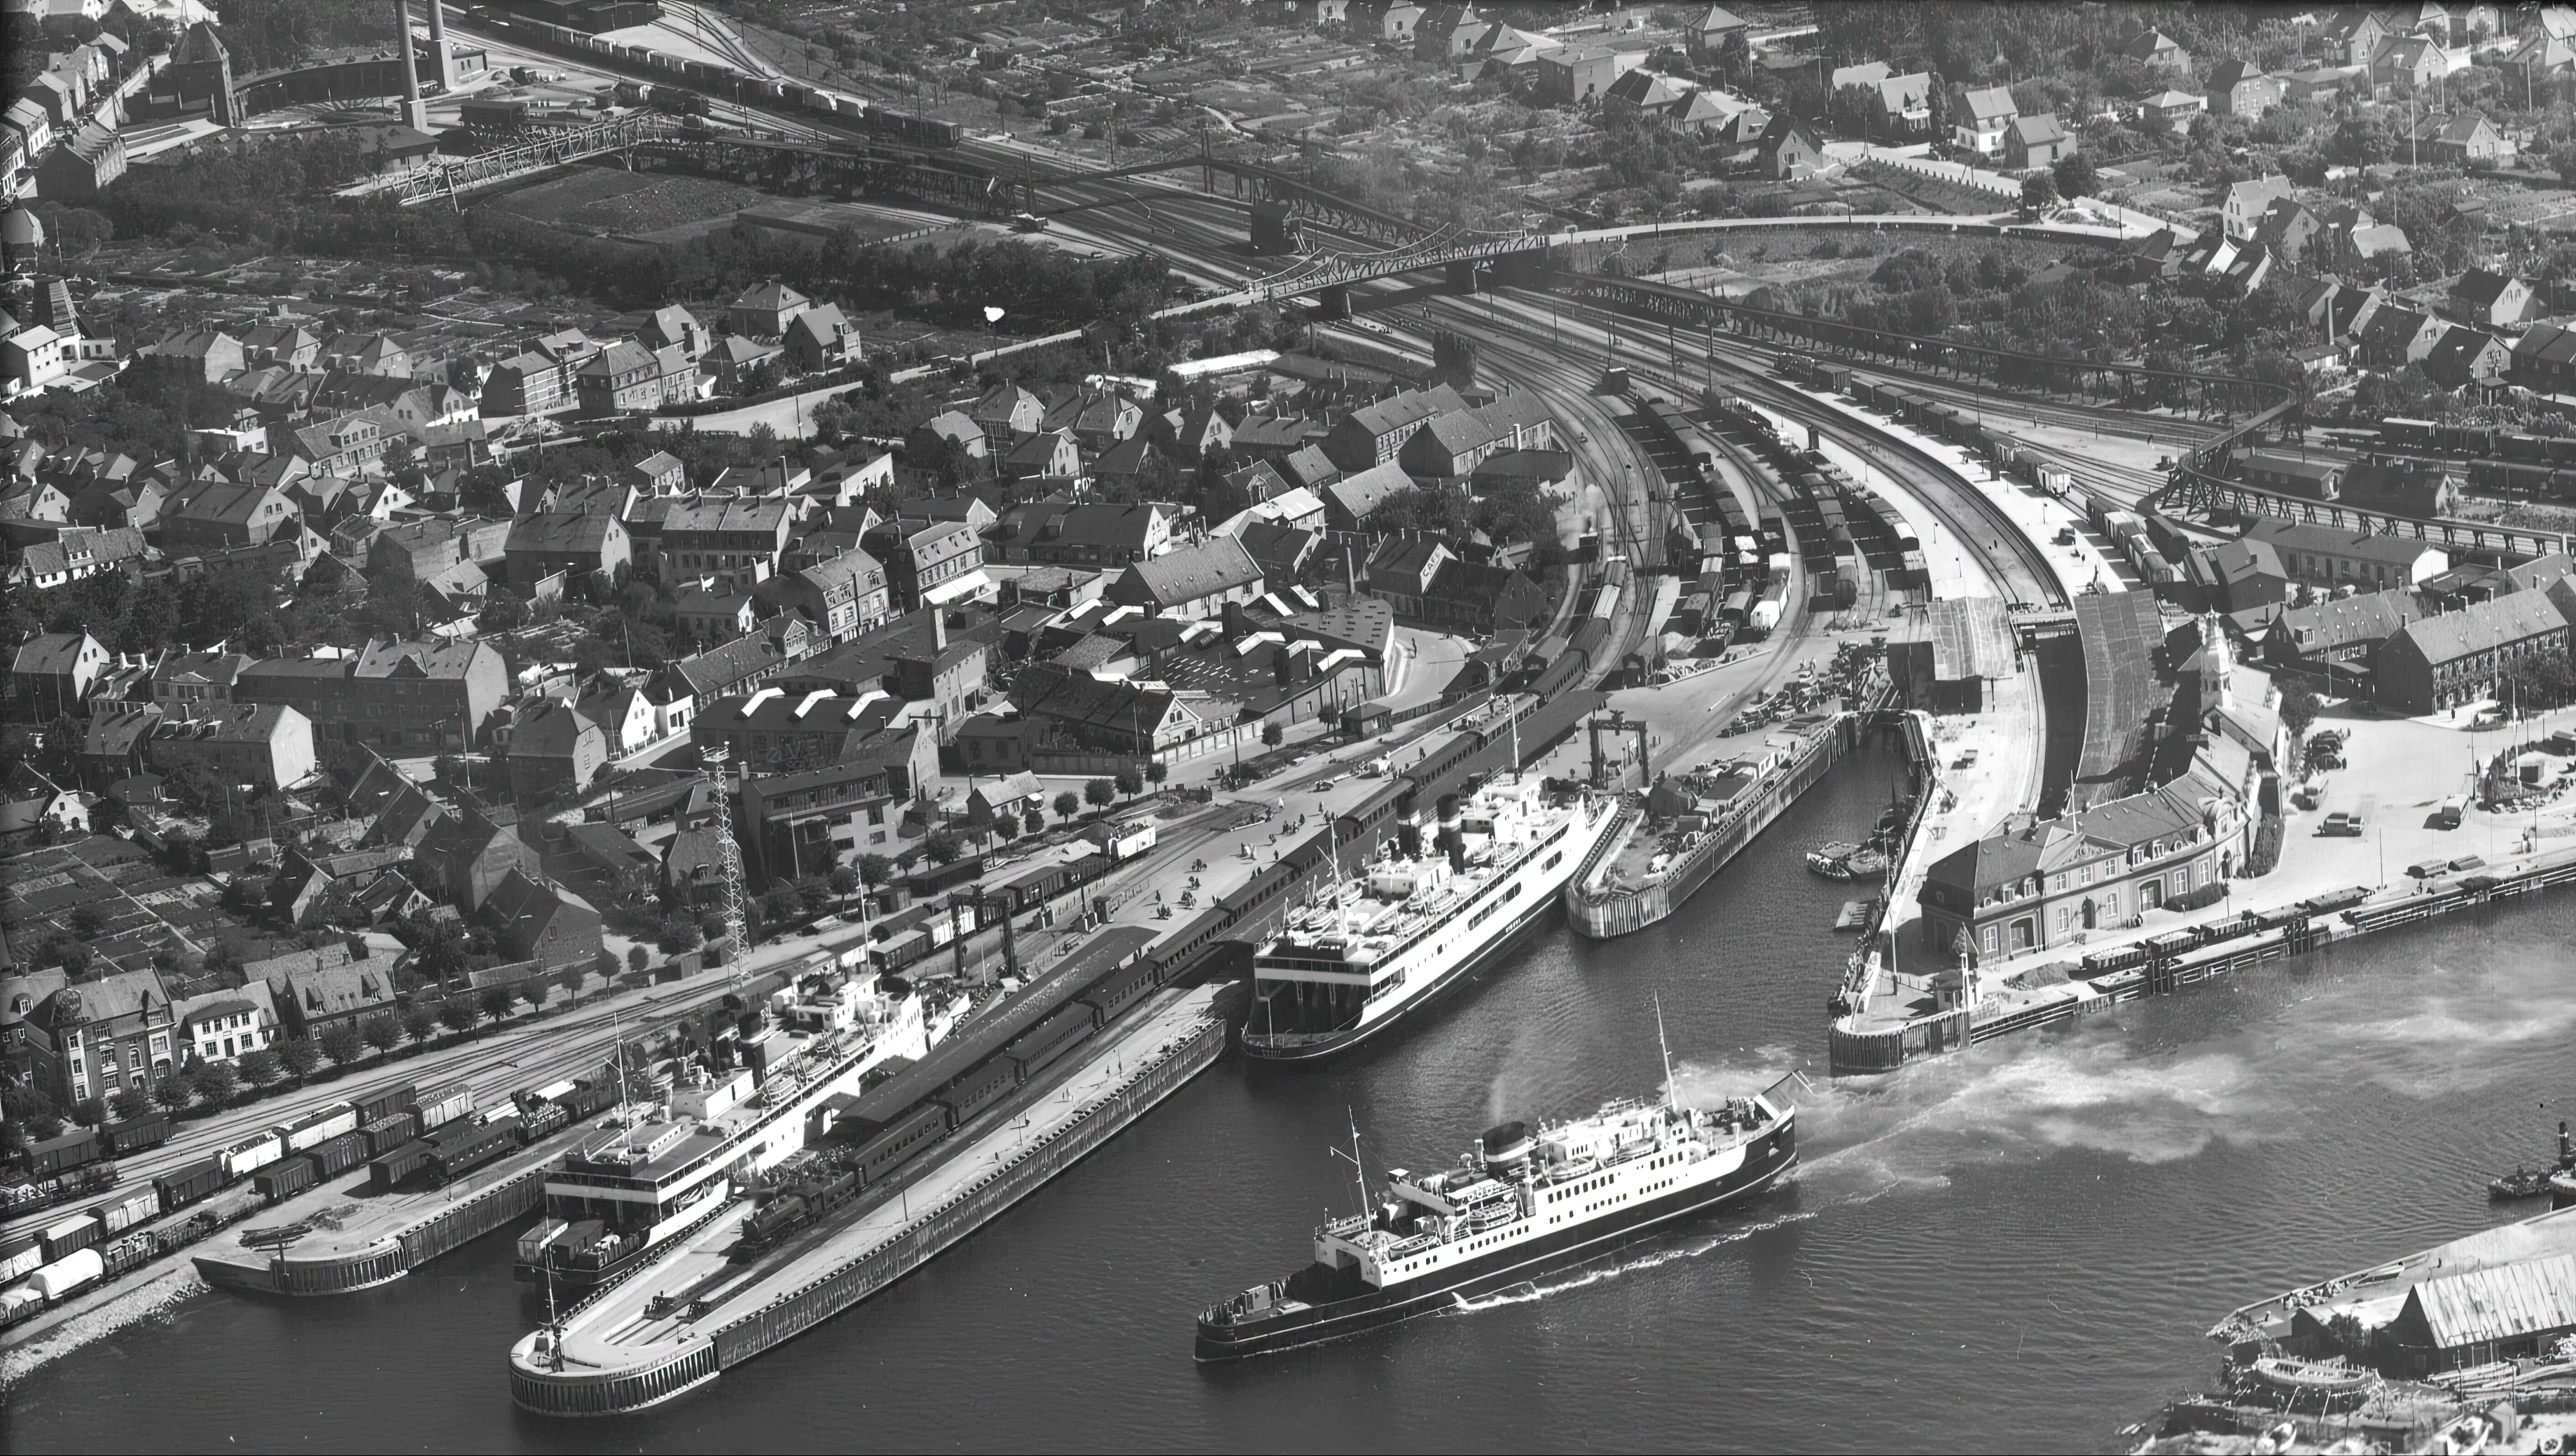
{"x":685,"y":1317}
{"x":1651,"y":872}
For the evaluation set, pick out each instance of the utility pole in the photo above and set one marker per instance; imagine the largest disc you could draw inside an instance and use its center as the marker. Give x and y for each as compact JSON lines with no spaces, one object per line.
{"x":728,"y":853}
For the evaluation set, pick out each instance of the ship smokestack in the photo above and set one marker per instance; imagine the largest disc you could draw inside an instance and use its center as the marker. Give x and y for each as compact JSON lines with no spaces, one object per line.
{"x":415,"y":115}
{"x":442,"y":65}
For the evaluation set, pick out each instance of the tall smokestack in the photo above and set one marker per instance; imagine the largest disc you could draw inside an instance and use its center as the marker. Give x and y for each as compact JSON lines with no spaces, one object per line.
{"x":442,"y":65}
{"x":415,"y":115}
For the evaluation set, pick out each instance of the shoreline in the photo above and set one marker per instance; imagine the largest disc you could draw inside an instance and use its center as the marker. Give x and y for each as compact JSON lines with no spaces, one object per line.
{"x":85,"y":1325}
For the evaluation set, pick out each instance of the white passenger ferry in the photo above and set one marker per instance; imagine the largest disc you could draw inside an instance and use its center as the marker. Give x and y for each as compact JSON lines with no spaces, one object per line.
{"x":1391,"y":934}
{"x":1525,"y":1201}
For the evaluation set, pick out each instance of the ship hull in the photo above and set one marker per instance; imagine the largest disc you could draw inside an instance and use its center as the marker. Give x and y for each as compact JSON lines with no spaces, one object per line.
{"x":1337,"y":1044}
{"x":1764,"y":1165}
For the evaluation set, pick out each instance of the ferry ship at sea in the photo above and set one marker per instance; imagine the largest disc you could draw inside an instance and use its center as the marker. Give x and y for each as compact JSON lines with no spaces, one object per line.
{"x":676,"y":1159}
{"x":1388,"y":935}
{"x":1523,"y":1202}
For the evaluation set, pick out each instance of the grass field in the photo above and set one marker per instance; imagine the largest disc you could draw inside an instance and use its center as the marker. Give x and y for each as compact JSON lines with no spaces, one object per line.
{"x":603,"y":200}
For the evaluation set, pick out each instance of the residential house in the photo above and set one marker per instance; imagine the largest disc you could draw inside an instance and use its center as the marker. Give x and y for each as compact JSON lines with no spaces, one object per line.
{"x":764,"y":310}
{"x":1048,"y":453}
{"x":1707,"y":34}
{"x":2171,"y":110}
{"x":1576,"y":75}
{"x":673,"y":326}
{"x":929,"y":564}
{"x":2159,"y":50}
{"x":2466,"y":139}
{"x":1983,"y":116}
{"x":315,"y":1000}
{"x":2241,"y":88}
{"x":2544,"y":360}
{"x":627,"y":378}
{"x":1789,"y":149}
{"x":204,"y":354}
{"x":415,"y":697}
{"x":267,"y":744}
{"x":216,"y":514}
{"x":2467,"y":358}
{"x":2339,"y":637}
{"x":842,"y":596}
{"x":535,"y":919}
{"x":1007,"y":413}
{"x":738,"y":538}
{"x":54,"y":672}
{"x":820,"y":338}
{"x":1193,"y":582}
{"x":2410,"y":61}
{"x":77,"y":554}
{"x":2290,"y":231}
{"x":1904,"y":106}
{"x":222,"y":1026}
{"x":577,"y":543}
{"x":116,"y":1033}
{"x":1350,"y":501}
{"x":1375,"y":434}
{"x":2037,"y":141}
{"x":2397,"y":337}
{"x":2491,"y":300}
{"x":468,"y":852}
{"x":554,"y":749}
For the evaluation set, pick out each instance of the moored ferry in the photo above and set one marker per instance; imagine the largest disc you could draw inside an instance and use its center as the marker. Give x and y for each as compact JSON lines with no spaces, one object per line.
{"x":1423,"y":916}
{"x":670,"y":1163}
{"x":1523,"y":1202}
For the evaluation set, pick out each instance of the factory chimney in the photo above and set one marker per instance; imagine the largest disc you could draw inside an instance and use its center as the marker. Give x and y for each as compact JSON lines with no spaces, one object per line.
{"x":442,"y":65}
{"x":415,"y":115}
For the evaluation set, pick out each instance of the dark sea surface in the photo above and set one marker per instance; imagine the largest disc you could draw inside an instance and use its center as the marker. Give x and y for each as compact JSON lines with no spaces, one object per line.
{"x":2014,"y":1249}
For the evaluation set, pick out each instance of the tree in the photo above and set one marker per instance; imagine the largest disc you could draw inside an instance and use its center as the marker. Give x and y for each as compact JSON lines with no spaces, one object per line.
{"x":381,"y":1032}
{"x":1066,"y":805}
{"x":568,"y":980}
{"x":680,"y":935}
{"x":456,"y":1013}
{"x":1130,"y":782}
{"x":262,"y":1066}
{"x":535,"y":989}
{"x":1157,"y":770}
{"x":219,"y":1083}
{"x":89,"y":1111}
{"x":780,"y":905}
{"x":1032,"y":820}
{"x":87,"y":923}
{"x":2299,"y":706}
{"x":2037,"y":192}
{"x":1099,"y":793}
{"x":175,"y":1091}
{"x":131,"y":1103}
{"x":343,"y":1044}
{"x":301,"y":1056}
{"x":419,"y":1024}
{"x":944,"y":847}
{"x":844,"y":880}
{"x":2075,"y":175}
{"x":496,"y":1001}
{"x":637,"y":958}
{"x":1273,"y":735}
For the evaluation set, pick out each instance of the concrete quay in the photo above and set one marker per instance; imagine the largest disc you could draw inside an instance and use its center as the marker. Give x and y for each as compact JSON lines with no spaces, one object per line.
{"x":682,"y":1320}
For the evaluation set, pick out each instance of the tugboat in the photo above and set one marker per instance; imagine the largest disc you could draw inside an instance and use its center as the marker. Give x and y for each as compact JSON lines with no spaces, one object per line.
{"x":1523,"y":1201}
{"x":1833,"y":860}
{"x":2524,"y":1182}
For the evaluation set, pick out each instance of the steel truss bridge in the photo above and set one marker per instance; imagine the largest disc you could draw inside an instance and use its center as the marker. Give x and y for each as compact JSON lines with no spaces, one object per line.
{"x":513,"y":155}
{"x":792,"y":168}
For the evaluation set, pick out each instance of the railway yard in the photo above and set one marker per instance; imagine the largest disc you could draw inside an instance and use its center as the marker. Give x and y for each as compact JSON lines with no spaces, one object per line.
{"x":1778,"y":538}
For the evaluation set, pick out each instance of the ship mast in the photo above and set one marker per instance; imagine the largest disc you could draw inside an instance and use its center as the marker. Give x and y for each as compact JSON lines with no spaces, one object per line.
{"x":1665,"y":1047}
{"x":1359,"y":1174}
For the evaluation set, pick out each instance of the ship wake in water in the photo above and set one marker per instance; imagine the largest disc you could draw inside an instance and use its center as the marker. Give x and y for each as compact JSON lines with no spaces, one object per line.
{"x":1602,"y":1273}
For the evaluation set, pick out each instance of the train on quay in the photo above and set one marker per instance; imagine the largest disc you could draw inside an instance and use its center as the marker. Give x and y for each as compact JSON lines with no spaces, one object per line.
{"x":682,"y":85}
{"x":278,"y":1162}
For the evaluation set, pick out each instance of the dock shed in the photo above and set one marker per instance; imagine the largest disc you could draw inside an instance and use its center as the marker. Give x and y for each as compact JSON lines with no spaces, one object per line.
{"x":2484,"y":1315}
{"x":1946,"y":659}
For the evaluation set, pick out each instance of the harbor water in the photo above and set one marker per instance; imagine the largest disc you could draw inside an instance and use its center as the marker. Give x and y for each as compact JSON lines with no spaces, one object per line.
{"x":2015,"y":1248}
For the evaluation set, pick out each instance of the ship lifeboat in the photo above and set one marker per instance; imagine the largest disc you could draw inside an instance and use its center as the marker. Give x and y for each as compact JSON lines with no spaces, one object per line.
{"x":2311,"y":1377}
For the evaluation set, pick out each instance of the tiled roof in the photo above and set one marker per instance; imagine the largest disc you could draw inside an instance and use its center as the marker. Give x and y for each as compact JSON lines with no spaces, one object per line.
{"x":1217,"y":565}
{"x":2484,"y":626}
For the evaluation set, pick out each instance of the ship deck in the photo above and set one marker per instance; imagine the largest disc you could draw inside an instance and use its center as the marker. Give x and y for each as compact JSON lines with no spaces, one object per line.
{"x":1631,"y":863}
{"x":615,"y":1333}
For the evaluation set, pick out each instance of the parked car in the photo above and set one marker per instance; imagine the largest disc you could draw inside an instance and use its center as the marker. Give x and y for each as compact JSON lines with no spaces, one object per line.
{"x":2341,"y":824}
